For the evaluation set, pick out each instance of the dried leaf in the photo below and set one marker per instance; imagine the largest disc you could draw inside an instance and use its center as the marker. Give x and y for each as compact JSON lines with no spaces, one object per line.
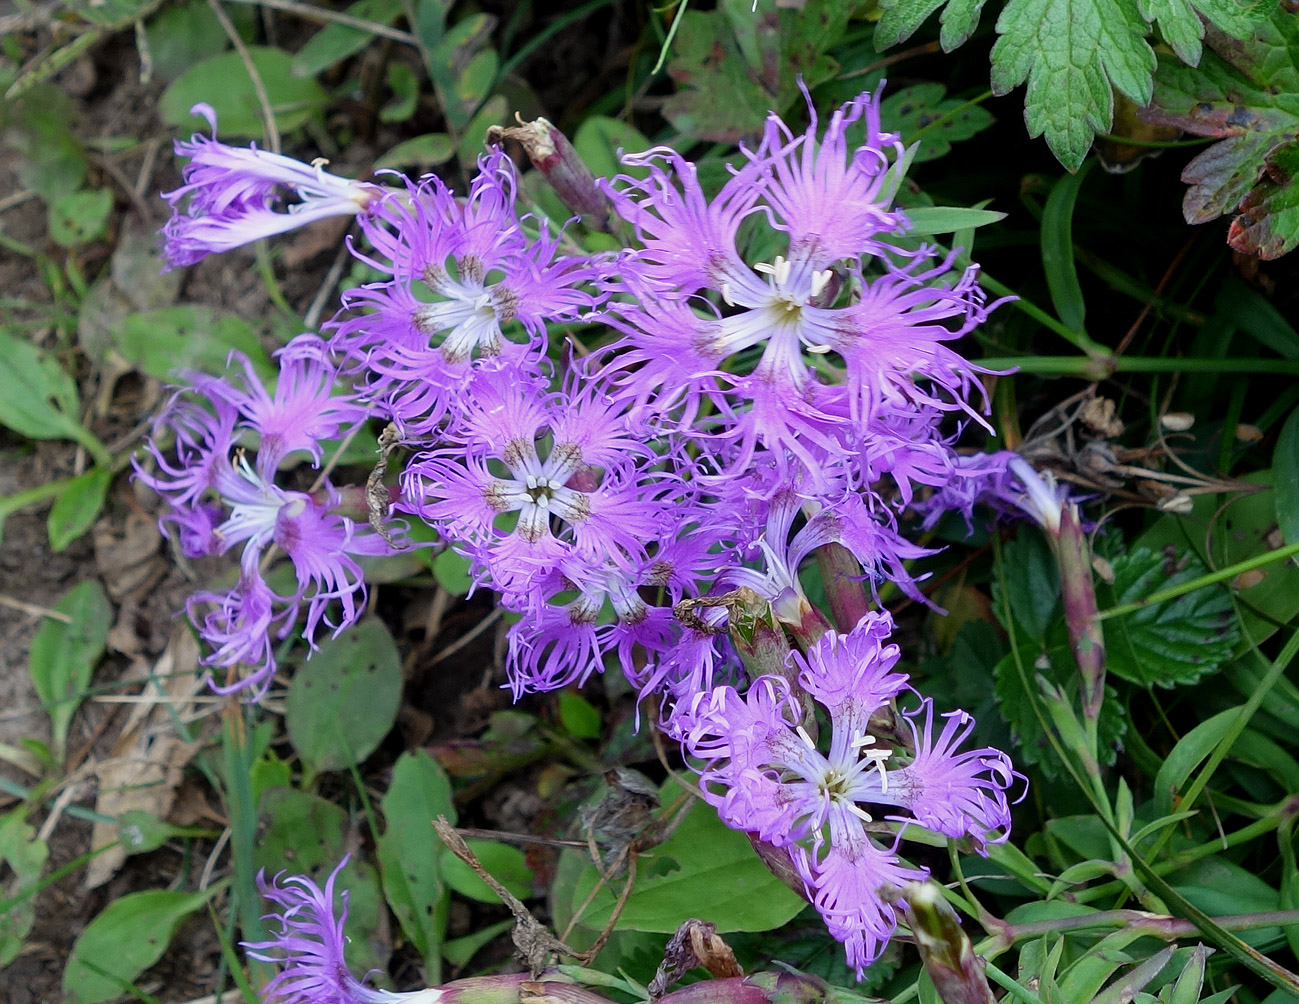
{"x":144,"y":768}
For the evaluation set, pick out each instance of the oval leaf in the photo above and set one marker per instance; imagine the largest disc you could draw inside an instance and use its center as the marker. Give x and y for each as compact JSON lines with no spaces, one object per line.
{"x":345,"y":698}
{"x":125,"y":939}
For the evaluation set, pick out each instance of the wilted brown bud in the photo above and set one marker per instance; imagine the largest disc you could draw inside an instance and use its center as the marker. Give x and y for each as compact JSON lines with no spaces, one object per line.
{"x":553,"y":155}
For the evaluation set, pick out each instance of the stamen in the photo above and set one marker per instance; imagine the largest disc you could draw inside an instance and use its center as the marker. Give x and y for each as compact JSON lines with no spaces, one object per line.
{"x":802,"y":734}
{"x":543,"y":501}
{"x":726,"y":294}
{"x":858,"y":811}
{"x":531,"y":481}
{"x":820,"y":350}
{"x":820,"y":280}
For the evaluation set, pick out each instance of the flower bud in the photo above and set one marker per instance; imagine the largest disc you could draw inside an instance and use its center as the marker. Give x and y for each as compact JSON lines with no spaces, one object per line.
{"x":553,"y":155}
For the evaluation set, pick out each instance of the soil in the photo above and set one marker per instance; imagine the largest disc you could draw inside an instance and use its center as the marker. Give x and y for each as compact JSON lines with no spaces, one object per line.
{"x":447,"y":702}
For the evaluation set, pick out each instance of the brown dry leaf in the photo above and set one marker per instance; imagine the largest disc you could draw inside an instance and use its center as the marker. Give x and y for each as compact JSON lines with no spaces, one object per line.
{"x":127,"y":558}
{"x":145,"y":765}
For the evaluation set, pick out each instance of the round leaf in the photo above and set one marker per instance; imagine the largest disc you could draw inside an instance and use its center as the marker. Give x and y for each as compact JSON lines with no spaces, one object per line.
{"x":344,"y":699}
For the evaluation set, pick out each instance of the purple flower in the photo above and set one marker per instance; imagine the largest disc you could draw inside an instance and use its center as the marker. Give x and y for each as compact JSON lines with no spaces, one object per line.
{"x":222,"y":496}
{"x":308,"y":948}
{"x":792,"y":351}
{"x":233,"y":194}
{"x":531,"y":483}
{"x":765,"y":774}
{"x":469,"y":289}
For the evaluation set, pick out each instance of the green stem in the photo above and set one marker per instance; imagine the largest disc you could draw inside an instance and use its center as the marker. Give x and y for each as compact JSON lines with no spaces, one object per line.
{"x":1101,"y":368}
{"x":1221,"y":575}
{"x":1164,"y":927}
{"x":1095,"y":351}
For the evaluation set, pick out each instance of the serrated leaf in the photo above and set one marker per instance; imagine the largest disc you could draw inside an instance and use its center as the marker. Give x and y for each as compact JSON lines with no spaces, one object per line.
{"x":345,"y":698}
{"x":1016,"y":708}
{"x":1243,"y":91}
{"x":734,"y":65}
{"x":409,"y":854}
{"x":64,"y":655}
{"x":1071,"y":52}
{"x":1174,"y":642}
{"x":124,"y":940}
{"x":923,"y":114}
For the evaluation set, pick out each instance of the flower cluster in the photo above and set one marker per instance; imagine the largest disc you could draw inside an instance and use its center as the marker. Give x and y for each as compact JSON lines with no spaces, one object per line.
{"x":770,"y":378}
{"x":765,"y":773}
{"x":220,"y":480}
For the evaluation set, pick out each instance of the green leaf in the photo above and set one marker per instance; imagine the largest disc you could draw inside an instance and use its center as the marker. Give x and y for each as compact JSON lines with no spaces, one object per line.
{"x":1188,"y":754}
{"x":404,"y":85}
{"x":929,"y":220}
{"x":471,"y":144}
{"x":1016,"y":707}
{"x":451,"y":569}
{"x":38,"y":127}
{"x":124,"y":940}
{"x":579,"y":716}
{"x":1243,"y":92}
{"x":460,"y":951}
{"x":25,"y":856}
{"x":223,"y":82}
{"x":1286,"y":472}
{"x":503,"y":862}
{"x":164,"y":342}
{"x":345,"y":698}
{"x":300,"y":829}
{"x":180,"y":35}
{"x":335,"y":42}
{"x":599,"y":140}
{"x":923,"y":114}
{"x":1057,"y":250}
{"x":112,"y":14}
{"x":1245,"y":528}
{"x":1174,"y":642}
{"x":75,"y":510}
{"x":424,"y":152}
{"x":1032,"y":582}
{"x":80,"y":217}
{"x":703,"y":854}
{"x":64,"y":655}
{"x":37,"y":398}
{"x":409,"y":853}
{"x":1071,"y":52}
{"x":733,"y":65}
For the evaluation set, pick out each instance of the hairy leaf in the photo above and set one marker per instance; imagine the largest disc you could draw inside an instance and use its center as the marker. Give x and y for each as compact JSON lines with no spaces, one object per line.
{"x":1247,"y":93}
{"x":1073,"y":53}
{"x":734,"y":65}
{"x":1169,"y":643}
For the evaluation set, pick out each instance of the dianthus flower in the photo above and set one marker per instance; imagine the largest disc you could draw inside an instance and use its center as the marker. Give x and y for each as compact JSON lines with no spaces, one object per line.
{"x":220,"y":499}
{"x":531,"y":482}
{"x":233,"y":194}
{"x":787,"y":350}
{"x":308,"y":948}
{"x":469,"y":288}
{"x":765,"y":774}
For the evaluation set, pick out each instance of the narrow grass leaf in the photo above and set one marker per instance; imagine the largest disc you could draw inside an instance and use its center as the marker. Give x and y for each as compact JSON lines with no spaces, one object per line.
{"x":1057,"y":250}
